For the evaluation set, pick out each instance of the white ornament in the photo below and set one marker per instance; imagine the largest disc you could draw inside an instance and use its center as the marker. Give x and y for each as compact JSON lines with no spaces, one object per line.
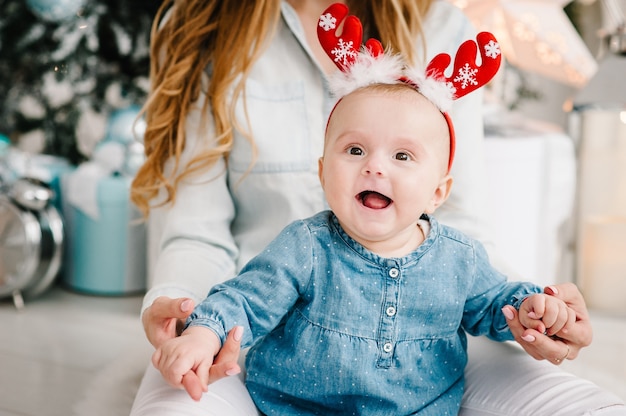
{"x":56,"y":10}
{"x":124,"y":127}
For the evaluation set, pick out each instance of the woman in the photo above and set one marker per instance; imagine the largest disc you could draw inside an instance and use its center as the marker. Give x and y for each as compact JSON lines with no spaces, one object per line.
{"x":235,"y":128}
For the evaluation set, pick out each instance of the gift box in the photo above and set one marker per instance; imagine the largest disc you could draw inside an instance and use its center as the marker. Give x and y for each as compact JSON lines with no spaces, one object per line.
{"x":105,"y":253}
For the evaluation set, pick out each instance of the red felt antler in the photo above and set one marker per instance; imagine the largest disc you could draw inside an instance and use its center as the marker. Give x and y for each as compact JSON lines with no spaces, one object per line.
{"x":344,"y":49}
{"x":468,"y":75}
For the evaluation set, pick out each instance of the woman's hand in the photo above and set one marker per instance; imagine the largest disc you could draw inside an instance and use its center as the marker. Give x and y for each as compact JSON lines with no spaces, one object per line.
{"x":164,"y":319}
{"x":568,"y":342}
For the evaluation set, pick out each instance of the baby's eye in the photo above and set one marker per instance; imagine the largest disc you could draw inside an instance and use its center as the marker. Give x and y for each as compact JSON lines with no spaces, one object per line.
{"x":402,"y":156}
{"x":356,"y":151}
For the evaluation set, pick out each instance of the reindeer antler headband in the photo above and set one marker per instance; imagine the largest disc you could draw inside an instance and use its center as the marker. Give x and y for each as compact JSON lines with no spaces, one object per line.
{"x":360,"y":68}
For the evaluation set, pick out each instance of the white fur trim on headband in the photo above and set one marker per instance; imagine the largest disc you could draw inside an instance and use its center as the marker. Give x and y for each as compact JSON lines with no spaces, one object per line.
{"x":389,"y":69}
{"x":437,"y":90}
{"x":366,"y":70}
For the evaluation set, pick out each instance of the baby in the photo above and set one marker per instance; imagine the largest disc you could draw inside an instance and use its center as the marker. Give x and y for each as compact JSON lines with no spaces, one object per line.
{"x":364,"y":308}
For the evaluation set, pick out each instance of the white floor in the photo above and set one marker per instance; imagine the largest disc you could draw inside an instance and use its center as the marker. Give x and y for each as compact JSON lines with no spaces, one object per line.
{"x":59,"y":345}
{"x":62,"y":345}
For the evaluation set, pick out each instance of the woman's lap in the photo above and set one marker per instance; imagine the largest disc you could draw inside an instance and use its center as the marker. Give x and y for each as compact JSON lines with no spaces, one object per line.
{"x":227,"y":397}
{"x":500,"y":380}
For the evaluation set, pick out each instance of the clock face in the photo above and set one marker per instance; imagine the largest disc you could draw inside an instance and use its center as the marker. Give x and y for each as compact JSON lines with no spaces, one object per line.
{"x":20,"y":238}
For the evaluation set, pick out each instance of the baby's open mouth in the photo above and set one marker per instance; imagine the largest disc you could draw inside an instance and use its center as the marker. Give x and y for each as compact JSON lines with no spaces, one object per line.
{"x":373,"y":200}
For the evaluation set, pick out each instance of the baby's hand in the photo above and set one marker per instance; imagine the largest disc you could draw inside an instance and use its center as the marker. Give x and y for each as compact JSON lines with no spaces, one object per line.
{"x":185,"y":361}
{"x":546,"y":314}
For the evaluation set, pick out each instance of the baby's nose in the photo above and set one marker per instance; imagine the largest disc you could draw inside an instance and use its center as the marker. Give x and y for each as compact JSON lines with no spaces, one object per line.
{"x":373,"y":167}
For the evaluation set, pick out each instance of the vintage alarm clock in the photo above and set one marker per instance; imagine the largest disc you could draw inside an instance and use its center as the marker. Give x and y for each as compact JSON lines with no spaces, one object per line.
{"x":31,"y":239}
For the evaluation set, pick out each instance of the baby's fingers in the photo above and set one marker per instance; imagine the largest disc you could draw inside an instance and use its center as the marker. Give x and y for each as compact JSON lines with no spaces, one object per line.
{"x":570,"y":323}
{"x":156,"y":358}
{"x":556,"y":319}
{"x":193,"y":385}
{"x":161,"y":363}
{"x":531,"y":320}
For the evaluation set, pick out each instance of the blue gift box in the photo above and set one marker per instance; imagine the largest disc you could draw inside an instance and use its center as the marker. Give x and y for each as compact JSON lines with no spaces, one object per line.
{"x":107,"y":255}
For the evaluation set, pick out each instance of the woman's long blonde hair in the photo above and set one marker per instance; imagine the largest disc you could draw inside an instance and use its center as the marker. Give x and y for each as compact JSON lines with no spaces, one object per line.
{"x":200,"y":33}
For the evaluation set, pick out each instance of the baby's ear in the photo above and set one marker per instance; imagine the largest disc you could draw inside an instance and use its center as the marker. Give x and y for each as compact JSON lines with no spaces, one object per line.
{"x":320,"y":170}
{"x":441,"y":194}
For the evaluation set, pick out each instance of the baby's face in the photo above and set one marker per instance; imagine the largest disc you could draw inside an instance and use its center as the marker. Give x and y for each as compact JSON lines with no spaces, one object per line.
{"x":385,"y":163}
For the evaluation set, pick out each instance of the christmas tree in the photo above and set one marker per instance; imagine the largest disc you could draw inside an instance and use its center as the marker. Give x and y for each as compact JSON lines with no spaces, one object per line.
{"x":66,"y":65}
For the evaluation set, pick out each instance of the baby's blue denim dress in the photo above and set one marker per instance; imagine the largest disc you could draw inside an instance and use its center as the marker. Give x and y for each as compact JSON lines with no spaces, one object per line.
{"x":337,"y":329}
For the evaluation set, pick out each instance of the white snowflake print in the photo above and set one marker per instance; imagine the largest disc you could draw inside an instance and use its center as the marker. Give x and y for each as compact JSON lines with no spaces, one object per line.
{"x":344,"y":51}
{"x":466,"y":76}
{"x":492,"y":49}
{"x":328,"y":22}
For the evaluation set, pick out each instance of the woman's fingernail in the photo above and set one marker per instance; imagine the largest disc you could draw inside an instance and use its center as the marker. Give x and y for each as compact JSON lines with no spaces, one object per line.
{"x":528,"y":338}
{"x":233,"y":371}
{"x":238,"y":333}
{"x":554,"y":290}
{"x":186,"y":305}
{"x":507,"y":314}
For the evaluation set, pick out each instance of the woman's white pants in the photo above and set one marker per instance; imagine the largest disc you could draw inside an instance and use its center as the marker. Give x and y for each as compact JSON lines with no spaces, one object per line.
{"x":501,"y":379}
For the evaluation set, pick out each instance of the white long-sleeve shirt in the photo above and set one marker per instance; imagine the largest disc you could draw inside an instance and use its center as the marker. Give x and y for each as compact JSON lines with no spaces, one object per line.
{"x":226,"y":215}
